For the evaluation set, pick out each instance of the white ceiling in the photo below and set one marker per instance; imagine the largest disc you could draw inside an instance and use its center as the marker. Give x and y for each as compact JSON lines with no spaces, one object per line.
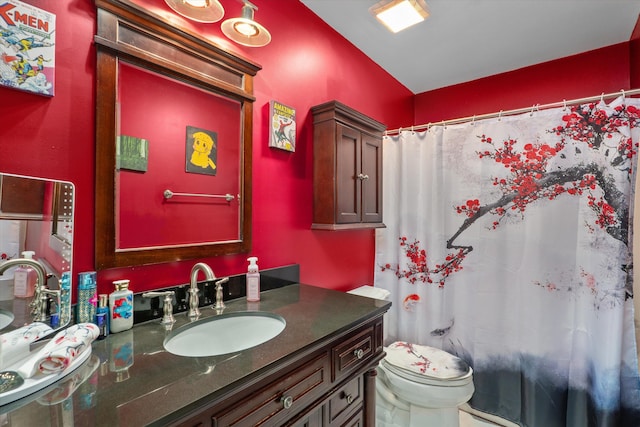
{"x":464,"y":40}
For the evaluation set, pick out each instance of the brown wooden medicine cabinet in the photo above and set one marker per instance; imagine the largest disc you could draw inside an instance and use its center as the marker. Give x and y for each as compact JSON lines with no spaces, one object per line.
{"x":347,"y":168}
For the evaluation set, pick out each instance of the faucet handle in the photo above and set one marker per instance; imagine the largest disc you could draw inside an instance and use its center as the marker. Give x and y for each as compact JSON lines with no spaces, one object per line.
{"x":194,"y":302}
{"x":167,"y":303}
{"x":219,"y":305}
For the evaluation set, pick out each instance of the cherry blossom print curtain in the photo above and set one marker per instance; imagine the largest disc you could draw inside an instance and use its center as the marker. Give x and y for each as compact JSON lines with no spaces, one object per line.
{"x":508,"y":244}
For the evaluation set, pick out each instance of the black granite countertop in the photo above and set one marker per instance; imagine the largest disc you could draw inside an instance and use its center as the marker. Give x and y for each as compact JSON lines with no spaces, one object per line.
{"x":130,"y":380}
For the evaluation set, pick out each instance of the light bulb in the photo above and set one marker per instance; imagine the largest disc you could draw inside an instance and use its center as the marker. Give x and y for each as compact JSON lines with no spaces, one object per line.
{"x":246,"y":28}
{"x":197,"y":3}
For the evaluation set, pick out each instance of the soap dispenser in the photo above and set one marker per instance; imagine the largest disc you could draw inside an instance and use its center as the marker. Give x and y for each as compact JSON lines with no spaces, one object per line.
{"x":121,"y":307}
{"x":253,"y":280}
{"x":25,"y":278}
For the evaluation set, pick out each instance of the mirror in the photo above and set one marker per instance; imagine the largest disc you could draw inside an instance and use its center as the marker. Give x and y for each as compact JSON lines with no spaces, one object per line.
{"x":173,"y":142}
{"x":36,"y":215}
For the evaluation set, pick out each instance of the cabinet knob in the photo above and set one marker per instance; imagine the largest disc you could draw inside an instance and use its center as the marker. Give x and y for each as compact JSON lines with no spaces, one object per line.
{"x":362,"y":177}
{"x":349,"y":399}
{"x":359,"y":353}
{"x":287,"y":402}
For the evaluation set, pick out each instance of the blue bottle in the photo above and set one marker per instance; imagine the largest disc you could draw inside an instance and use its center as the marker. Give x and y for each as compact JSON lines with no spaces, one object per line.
{"x":87,"y":298}
{"x":102,"y":316}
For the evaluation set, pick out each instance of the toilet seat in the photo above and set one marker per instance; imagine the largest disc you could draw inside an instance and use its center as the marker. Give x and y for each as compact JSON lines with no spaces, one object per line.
{"x":426,"y":365}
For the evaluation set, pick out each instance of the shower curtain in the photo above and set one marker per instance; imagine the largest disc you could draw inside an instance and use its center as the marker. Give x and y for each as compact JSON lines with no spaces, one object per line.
{"x":508,"y":243}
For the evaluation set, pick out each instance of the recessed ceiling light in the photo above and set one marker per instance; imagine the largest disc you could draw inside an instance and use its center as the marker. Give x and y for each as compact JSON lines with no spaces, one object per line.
{"x":397,"y":15}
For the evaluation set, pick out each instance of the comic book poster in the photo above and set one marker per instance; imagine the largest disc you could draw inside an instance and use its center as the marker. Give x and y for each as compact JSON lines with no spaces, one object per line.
{"x":283,"y":126}
{"x":27,"y":47}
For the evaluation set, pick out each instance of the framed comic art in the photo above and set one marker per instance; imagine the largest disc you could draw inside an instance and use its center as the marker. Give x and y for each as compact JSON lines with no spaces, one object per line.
{"x":27,"y":48}
{"x":282,"y":132}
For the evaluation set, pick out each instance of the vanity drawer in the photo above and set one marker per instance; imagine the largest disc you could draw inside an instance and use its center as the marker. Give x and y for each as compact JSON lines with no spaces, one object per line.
{"x":346,"y":356}
{"x":344,"y":401}
{"x":282,"y":398}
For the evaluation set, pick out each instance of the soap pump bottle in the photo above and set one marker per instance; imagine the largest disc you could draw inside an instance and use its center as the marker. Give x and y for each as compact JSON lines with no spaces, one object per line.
{"x":25,"y":278}
{"x":120,"y":307}
{"x":253,"y":280}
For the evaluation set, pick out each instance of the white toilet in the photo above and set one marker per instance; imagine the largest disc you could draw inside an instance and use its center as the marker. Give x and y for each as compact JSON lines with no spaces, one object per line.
{"x":419,"y":385}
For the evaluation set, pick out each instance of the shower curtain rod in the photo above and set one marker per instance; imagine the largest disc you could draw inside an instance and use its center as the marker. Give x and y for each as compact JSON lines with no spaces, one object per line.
{"x":501,"y":113}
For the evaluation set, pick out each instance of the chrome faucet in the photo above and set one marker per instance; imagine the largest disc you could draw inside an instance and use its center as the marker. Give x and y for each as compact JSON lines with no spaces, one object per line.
{"x":194,"y":301}
{"x":39,"y":302}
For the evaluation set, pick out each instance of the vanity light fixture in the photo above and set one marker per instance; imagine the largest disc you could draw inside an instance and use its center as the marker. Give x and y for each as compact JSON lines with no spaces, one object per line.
{"x":245,"y":30}
{"x":206,"y":11}
{"x":397,"y":15}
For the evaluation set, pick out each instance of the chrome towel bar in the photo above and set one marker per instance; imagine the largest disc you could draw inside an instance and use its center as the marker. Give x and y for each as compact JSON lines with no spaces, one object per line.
{"x":169,"y":194}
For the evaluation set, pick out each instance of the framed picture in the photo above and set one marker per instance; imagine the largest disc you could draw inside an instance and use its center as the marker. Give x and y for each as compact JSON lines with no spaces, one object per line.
{"x":132,"y":153}
{"x":27,"y":48}
{"x":201,"y":148}
{"x":282,"y":134}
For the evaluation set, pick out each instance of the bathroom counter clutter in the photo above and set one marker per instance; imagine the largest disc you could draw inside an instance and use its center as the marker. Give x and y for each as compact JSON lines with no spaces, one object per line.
{"x":318,"y":370}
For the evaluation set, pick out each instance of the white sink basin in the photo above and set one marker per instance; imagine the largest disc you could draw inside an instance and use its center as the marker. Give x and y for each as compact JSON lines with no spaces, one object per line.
{"x":225,"y":333}
{"x":6,"y":317}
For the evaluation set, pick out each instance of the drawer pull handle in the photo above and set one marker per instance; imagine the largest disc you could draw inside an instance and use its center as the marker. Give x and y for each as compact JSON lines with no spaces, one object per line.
{"x":359,"y":353}
{"x":362,"y":177}
{"x":287,"y":402}
{"x":349,"y":399}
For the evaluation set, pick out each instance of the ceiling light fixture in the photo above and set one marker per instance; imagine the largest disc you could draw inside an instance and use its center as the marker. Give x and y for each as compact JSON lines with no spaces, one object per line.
{"x":245,"y":30}
{"x":206,"y":11}
{"x":397,"y":15}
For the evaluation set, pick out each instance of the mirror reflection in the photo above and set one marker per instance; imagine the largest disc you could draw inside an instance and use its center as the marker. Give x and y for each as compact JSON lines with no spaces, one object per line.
{"x":36,"y":246}
{"x":172,"y":176}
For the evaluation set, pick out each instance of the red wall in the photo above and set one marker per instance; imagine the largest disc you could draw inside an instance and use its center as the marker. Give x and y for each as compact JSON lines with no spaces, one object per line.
{"x":306,"y":64}
{"x":578,"y":76}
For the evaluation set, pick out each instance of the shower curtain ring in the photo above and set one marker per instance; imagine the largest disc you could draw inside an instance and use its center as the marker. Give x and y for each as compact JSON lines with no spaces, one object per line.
{"x":536,"y":107}
{"x":602,"y":97}
{"x":500,"y":115}
{"x":412,"y":133}
{"x":623,"y":94}
{"x":473,"y":120}
{"x":564,"y":105}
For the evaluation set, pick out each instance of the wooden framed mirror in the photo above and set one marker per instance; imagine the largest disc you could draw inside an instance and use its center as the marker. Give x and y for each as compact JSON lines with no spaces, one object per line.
{"x":173,"y":142}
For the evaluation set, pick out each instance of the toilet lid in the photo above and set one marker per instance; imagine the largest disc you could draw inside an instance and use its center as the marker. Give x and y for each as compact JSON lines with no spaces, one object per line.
{"x":412,"y":360}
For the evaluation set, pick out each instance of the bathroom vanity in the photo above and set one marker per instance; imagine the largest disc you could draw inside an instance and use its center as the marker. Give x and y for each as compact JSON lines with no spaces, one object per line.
{"x":319,"y":371}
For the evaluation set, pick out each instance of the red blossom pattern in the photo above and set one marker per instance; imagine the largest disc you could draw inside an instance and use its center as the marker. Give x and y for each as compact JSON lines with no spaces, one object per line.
{"x":417,"y":269}
{"x":424,"y":362}
{"x":531,"y":176}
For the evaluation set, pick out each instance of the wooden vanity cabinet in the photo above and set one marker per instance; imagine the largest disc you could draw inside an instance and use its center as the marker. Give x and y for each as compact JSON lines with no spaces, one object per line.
{"x":347,"y":168}
{"x":331,"y":384}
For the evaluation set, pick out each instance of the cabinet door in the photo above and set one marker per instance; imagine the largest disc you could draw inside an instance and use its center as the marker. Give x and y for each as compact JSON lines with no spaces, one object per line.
{"x":370,"y":176}
{"x":315,"y":418}
{"x":348,"y":186}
